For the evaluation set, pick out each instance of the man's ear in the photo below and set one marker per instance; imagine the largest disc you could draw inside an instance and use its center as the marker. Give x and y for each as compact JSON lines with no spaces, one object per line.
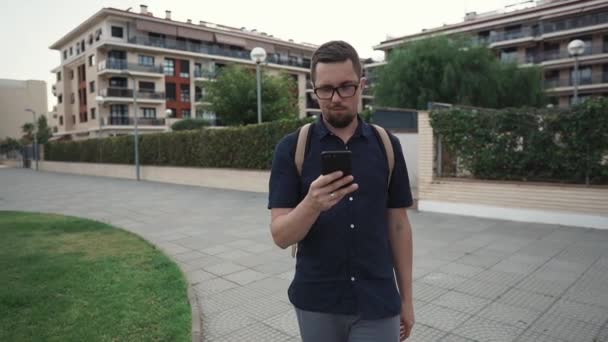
{"x":362,"y":83}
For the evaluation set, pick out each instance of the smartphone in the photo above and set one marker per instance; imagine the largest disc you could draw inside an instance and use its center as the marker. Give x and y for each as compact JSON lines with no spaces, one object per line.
{"x":336,"y":161}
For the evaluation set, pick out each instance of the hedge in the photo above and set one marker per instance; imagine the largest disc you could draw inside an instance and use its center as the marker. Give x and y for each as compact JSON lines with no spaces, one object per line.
{"x":242,"y":147}
{"x":527,"y":144}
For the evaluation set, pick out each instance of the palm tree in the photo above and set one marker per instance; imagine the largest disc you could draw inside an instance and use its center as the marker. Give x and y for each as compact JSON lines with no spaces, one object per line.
{"x":28,"y":132}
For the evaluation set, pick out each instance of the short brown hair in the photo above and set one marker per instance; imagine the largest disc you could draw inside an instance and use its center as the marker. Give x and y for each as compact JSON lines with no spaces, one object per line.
{"x":335,"y":51}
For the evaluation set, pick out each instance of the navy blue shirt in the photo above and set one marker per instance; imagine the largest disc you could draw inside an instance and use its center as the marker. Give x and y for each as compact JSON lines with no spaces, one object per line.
{"x":344,"y":264}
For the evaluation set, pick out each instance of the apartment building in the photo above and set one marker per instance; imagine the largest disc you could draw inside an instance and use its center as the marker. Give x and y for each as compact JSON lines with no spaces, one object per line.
{"x":118,"y":58}
{"x":16,"y":96}
{"x":536,"y":35}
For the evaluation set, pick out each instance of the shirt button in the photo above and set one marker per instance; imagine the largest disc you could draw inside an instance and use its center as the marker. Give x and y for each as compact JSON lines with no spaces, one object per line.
{"x":352,"y":278}
{"x":352,"y":226}
{"x":350,"y":199}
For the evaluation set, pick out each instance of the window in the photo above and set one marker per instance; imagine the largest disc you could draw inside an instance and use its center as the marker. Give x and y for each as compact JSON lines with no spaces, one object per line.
{"x":82,"y":45}
{"x":508,"y":55}
{"x":184,"y":69}
{"x":91,"y":39}
{"x":170,"y":90}
{"x":119,"y":110}
{"x":92,"y":86}
{"x":61,"y":120}
{"x":146,"y":60}
{"x":169,"y":67}
{"x":184,"y":92}
{"x":117,"y":32}
{"x":83,"y":117}
{"x":606,"y":43}
{"x":65,"y":54}
{"x":185,"y":113}
{"x":77,"y":48}
{"x":71,"y":51}
{"x":73,"y":119}
{"x":97,"y":35}
{"x":60,"y":98}
{"x":149,"y":113}
{"x":584,"y":75}
{"x":146,"y":86}
{"x":117,"y":54}
{"x":118,"y":82}
{"x":198,"y":70}
{"x":91,"y":60}
{"x":72,"y":98}
{"x":58,"y":76}
{"x":92,"y":113}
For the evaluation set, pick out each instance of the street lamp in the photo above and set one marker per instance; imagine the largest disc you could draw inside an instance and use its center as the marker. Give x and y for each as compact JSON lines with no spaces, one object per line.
{"x":576,"y":48}
{"x":35,"y":137}
{"x":135,"y":121}
{"x":258,"y":55}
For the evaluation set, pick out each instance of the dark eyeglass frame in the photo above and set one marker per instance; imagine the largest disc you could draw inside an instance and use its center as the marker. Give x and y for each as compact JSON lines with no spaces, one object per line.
{"x":336,"y":89}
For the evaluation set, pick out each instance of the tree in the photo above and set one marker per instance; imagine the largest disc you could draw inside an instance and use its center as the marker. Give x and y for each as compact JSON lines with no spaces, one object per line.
{"x":453,"y":70}
{"x":9,"y":144}
{"x":28,"y":132}
{"x":233,"y":96}
{"x":43,"y":132}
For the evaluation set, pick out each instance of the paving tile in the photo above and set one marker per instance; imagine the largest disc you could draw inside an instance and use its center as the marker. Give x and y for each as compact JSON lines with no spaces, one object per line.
{"x":198,"y":276}
{"x":459,"y":269}
{"x":481,"y":329}
{"x":579,"y":311}
{"x":224,"y":268}
{"x":528,"y":300}
{"x":461,"y":302}
{"x":285,"y":322}
{"x":426,"y":292}
{"x":482,"y":289}
{"x":498,"y":277}
{"x":215,"y":250}
{"x":224,"y":323}
{"x":214,"y":285}
{"x":440,"y":318}
{"x":256,"y":332}
{"x":455,"y":338}
{"x":565,"y":328}
{"x":444,"y":280}
{"x":543,"y":286}
{"x":245,"y":277}
{"x":511,"y":315}
{"x":533,"y":336}
{"x":233,"y":255}
{"x":425,"y":333}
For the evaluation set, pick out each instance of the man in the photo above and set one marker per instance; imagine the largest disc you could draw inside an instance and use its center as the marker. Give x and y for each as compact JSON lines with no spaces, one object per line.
{"x":353,"y":232}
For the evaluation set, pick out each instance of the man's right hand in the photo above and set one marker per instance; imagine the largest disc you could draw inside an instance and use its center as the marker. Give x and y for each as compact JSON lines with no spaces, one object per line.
{"x":325,"y":191}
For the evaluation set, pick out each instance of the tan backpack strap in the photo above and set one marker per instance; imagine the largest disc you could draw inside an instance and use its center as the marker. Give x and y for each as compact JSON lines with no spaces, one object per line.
{"x":388,"y":147}
{"x":301,"y":147}
{"x":299,"y":160}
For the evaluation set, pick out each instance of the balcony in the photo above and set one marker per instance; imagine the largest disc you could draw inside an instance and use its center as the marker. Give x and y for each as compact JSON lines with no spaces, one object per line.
{"x":119,"y":64}
{"x":205,"y":74}
{"x":597,"y":79}
{"x":128,"y":94}
{"x":174,"y":44}
{"x":129,"y":121}
{"x":563,"y":54}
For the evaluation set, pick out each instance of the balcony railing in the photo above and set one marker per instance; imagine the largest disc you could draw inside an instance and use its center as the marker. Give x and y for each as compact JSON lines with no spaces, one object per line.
{"x":205,"y":73}
{"x":128,"y":93}
{"x":563,"y":54}
{"x":545,"y":28}
{"x":174,"y":44}
{"x":119,"y":64}
{"x":129,"y":121}
{"x":594,"y":79}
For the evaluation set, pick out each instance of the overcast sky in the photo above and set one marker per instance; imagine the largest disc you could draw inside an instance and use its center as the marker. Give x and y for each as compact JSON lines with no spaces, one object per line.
{"x":29,"y":27}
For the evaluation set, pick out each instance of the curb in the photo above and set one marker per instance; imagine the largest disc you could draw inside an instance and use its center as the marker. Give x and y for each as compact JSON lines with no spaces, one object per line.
{"x":196,"y":315}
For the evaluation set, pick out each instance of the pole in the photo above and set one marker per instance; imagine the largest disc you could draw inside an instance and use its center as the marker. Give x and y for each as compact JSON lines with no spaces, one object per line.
{"x":136,"y":135}
{"x":259,"y":93}
{"x":35,"y":139}
{"x":576,"y":80}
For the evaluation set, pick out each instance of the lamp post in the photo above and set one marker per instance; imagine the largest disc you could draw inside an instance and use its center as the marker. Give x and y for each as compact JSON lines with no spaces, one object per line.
{"x":135,"y":121}
{"x":576,"y":48}
{"x":258,"y":55}
{"x":35,"y":136}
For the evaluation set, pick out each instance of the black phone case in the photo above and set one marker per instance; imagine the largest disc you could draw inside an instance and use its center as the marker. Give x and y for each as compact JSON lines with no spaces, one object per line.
{"x":336,"y":161}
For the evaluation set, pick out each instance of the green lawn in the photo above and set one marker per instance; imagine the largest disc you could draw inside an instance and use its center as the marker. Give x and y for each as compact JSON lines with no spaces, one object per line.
{"x":69,"y":279}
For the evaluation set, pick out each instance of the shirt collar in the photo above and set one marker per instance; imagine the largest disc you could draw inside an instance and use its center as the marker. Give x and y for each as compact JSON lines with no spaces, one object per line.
{"x":363,"y":129}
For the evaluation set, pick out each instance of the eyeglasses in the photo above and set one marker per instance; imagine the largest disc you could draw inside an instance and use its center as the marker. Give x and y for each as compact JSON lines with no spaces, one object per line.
{"x":344,"y":91}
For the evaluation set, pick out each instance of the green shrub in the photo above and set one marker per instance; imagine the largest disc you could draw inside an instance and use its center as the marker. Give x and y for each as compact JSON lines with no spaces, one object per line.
{"x":241,"y":147}
{"x":566,"y":145}
{"x":189,"y":124}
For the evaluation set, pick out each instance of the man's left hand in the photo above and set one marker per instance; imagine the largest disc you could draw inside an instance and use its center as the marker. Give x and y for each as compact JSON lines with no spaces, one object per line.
{"x":407,"y":320}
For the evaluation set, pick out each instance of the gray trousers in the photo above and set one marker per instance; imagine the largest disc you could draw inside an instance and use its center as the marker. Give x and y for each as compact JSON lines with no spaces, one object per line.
{"x":323,"y":327}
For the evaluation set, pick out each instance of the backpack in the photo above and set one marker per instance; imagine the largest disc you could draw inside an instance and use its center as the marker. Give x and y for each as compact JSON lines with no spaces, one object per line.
{"x":304,"y":139}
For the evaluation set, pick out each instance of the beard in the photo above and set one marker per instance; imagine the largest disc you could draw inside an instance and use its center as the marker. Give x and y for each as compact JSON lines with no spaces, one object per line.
{"x":339,"y":121}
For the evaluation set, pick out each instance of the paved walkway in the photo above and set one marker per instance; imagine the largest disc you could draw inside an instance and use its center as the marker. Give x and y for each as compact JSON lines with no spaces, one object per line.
{"x":475,"y":279}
